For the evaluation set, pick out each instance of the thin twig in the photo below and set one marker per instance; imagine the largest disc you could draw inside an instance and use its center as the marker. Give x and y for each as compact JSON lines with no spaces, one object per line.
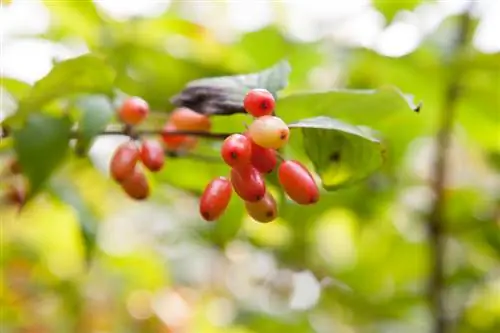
{"x":436,"y":222}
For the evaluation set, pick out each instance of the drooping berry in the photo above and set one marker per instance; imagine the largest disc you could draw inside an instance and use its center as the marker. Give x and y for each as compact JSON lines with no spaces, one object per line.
{"x":136,"y":185}
{"x":133,"y":111}
{"x":124,"y":160}
{"x":188,"y":120}
{"x":176,"y":141}
{"x":215,"y":198}
{"x":298,"y":182}
{"x":259,"y":102}
{"x":264,"y":210}
{"x":152,"y":155}
{"x":236,"y":150}
{"x":269,"y":132}
{"x":248,"y":183}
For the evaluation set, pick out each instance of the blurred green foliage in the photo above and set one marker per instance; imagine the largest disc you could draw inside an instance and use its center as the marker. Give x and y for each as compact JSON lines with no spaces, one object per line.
{"x":81,"y":257}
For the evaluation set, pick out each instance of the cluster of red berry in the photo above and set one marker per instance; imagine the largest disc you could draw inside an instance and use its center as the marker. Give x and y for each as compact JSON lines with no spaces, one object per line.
{"x":128,"y":159}
{"x":253,"y":154}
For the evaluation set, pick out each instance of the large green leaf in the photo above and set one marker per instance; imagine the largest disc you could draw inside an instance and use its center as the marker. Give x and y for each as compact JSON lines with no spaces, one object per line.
{"x":84,"y":74}
{"x":341,"y":153}
{"x":390,"y":7}
{"x":96,"y":113}
{"x":386,"y":110}
{"x":273,"y":79}
{"x":41,"y":146}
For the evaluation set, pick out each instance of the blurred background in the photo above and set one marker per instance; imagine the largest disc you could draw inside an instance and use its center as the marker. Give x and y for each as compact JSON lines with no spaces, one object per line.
{"x":82,"y":257}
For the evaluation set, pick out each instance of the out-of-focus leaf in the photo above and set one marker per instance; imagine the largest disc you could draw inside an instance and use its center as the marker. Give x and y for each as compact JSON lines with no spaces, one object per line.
{"x":224,"y":95}
{"x":15,"y":87}
{"x":69,"y":194}
{"x":97,"y":112}
{"x":84,"y":74}
{"x":390,"y":8}
{"x":228,"y":225}
{"x":276,"y":46}
{"x":41,"y":146}
{"x":74,"y":18}
{"x":341,"y":153}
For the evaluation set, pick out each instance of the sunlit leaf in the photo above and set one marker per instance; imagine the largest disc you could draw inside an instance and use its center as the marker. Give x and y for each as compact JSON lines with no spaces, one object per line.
{"x":41,"y":146}
{"x":341,"y":153}
{"x":16,"y":88}
{"x":390,"y":8}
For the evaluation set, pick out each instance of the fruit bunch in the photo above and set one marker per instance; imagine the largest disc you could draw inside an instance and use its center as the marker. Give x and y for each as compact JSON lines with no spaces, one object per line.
{"x":251,"y":155}
{"x":132,"y":158}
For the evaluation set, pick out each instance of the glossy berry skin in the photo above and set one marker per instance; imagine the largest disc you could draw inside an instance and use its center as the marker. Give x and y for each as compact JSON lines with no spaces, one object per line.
{"x":152,"y":155}
{"x":177,"y":142}
{"x":136,"y":185}
{"x":269,"y":132}
{"x":215,"y":198}
{"x":133,"y":111}
{"x":263,"y":159}
{"x":123,"y":161}
{"x":264,"y":210}
{"x":236,"y":150}
{"x":298,"y":183}
{"x":259,"y":102}
{"x":248,"y":183}
{"x":188,"y":120}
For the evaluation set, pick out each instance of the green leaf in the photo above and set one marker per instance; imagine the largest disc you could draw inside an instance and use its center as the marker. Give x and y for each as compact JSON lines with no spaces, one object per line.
{"x":41,"y":146}
{"x":273,"y":79}
{"x":69,"y":194}
{"x":386,"y":110}
{"x":97,"y":112}
{"x":84,"y":74}
{"x":341,"y":153}
{"x":390,"y":8}
{"x":15,"y":87}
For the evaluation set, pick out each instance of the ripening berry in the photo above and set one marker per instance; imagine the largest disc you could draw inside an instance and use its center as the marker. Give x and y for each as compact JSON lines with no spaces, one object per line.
{"x":177,"y":142}
{"x":248,"y":183}
{"x":188,"y":120}
{"x":269,"y":132}
{"x":263,"y":159}
{"x":133,"y":111}
{"x":215,"y":198}
{"x":264,"y":210}
{"x":236,"y":150}
{"x":136,"y":185}
{"x":124,"y":160}
{"x":298,"y":182}
{"x":259,"y":102}
{"x":152,"y":155}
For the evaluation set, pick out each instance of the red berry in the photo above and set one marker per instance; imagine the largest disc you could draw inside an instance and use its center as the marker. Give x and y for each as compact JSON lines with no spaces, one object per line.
{"x":298,"y":182}
{"x":124,"y":160}
{"x":264,"y":210}
{"x":248,"y":183}
{"x":263,"y":159}
{"x":259,"y":102}
{"x":236,"y":150}
{"x":152,"y":155}
{"x":133,"y":111}
{"x":15,"y":195}
{"x":188,"y":120}
{"x":215,"y":198}
{"x":177,"y":142}
{"x":136,"y":185}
